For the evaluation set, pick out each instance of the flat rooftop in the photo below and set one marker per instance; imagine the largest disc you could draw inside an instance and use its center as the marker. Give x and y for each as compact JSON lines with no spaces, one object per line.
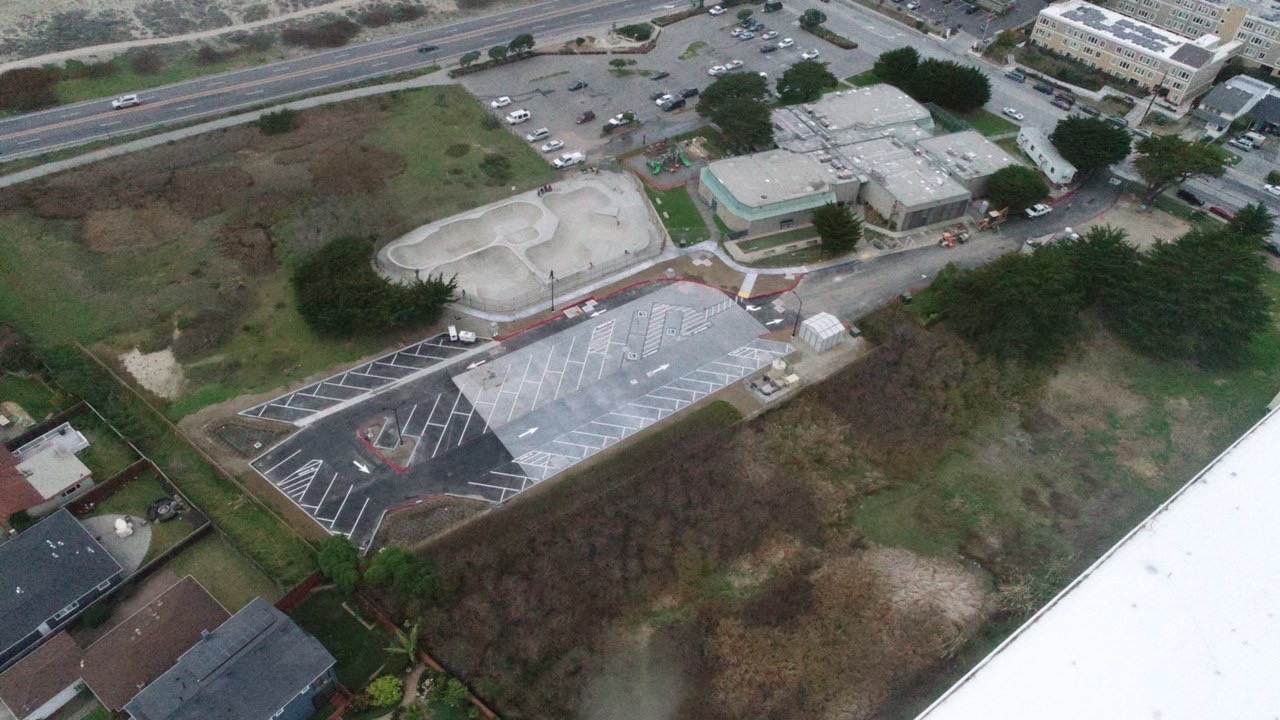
{"x":914,"y":180}
{"x":967,"y":154}
{"x":772,"y":177}
{"x":1136,"y":34}
{"x":849,"y":117}
{"x":1178,"y":621}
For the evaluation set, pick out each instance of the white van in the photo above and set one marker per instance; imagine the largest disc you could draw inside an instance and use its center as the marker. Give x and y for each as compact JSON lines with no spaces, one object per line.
{"x":537,"y":135}
{"x":572,"y":158}
{"x":518,"y":117}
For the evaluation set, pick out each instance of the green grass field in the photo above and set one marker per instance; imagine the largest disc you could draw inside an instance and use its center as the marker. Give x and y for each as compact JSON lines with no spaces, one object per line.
{"x":107,"y":454}
{"x":38,"y":399}
{"x":679,"y":214}
{"x":133,"y":499}
{"x":863,"y":79}
{"x":776,"y":239}
{"x":358,"y":650}
{"x":988,"y":123}
{"x":224,"y":572}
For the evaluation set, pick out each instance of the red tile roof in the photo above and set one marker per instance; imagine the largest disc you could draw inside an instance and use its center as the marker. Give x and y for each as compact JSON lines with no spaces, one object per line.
{"x":16,"y":494}
{"x":149,"y":642}
{"x":37,"y":678}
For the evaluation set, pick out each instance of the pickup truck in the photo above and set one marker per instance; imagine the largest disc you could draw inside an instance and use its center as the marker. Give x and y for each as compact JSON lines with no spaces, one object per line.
{"x":571,"y":158}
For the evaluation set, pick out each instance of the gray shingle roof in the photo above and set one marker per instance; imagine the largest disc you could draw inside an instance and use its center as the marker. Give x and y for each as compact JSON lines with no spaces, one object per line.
{"x":1268,"y":110}
{"x":1226,"y":100}
{"x":247,"y":669}
{"x":1192,"y":55}
{"x":43,"y":570}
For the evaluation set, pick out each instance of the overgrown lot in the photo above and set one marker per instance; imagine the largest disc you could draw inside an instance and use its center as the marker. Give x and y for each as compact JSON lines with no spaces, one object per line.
{"x":190,"y":245}
{"x":842,"y":556}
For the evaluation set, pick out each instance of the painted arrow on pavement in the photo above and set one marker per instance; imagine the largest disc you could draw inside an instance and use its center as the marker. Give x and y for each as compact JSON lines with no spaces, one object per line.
{"x":361,"y":466}
{"x":528,"y":432}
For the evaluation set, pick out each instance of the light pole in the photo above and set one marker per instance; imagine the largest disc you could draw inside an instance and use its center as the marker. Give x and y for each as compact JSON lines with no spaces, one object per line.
{"x":796,"y":327}
{"x":399,"y":433}
{"x":553,"y":291}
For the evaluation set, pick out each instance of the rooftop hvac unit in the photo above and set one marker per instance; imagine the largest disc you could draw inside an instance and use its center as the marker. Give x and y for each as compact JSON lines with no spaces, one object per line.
{"x":844,"y":174}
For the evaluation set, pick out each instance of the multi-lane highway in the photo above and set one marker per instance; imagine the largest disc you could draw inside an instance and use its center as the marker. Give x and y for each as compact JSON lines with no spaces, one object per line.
{"x":69,"y":125}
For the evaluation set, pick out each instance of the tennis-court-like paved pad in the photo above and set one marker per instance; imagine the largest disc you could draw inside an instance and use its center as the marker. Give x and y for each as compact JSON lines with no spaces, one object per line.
{"x":525,"y":411}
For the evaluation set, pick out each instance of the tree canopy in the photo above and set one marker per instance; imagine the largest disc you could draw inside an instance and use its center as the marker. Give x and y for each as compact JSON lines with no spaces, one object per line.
{"x":402,"y":572}
{"x":897,"y":66}
{"x":1016,"y":187}
{"x":1168,"y":160}
{"x":837,"y":227}
{"x":812,"y":18}
{"x":1090,"y":143}
{"x":339,"y":293}
{"x":521,"y":43}
{"x":340,"y":562}
{"x":498,"y":52}
{"x":736,"y":104}
{"x":805,"y":81}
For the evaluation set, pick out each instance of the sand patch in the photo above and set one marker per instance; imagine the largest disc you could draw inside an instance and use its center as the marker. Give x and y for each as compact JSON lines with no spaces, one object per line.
{"x":1143,"y":228}
{"x":159,"y":372}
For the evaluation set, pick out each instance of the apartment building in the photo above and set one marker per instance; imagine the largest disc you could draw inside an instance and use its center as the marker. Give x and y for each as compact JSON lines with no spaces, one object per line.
{"x":1255,"y":23}
{"x":1138,"y":52}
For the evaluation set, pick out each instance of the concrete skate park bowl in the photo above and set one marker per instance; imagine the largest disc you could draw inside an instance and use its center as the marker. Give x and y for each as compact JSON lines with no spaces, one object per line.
{"x":503,"y":254}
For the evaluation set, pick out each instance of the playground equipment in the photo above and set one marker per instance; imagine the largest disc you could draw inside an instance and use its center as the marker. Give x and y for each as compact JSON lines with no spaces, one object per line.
{"x":664,"y":156}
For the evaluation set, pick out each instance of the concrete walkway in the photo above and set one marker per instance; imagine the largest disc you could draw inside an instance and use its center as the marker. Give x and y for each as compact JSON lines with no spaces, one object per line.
{"x":439,"y":77}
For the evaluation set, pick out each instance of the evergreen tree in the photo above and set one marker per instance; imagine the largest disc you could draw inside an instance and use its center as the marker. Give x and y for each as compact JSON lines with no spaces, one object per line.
{"x":838,"y":228}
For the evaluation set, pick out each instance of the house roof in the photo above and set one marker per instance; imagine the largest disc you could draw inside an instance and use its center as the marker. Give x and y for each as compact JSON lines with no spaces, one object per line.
{"x":46,"y":568}
{"x":37,"y":678}
{"x":250,"y":667}
{"x":1226,"y":100}
{"x":150,"y":641}
{"x":16,"y":494}
{"x":1192,"y":56}
{"x":49,"y":462}
{"x":1177,"y":621}
{"x":1268,"y":110}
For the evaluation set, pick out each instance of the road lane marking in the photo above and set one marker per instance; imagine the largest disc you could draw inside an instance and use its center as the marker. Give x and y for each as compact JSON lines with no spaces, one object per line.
{"x":380,"y":64}
{"x":216,"y":83}
{"x":109,"y":124}
{"x":185,"y":107}
{"x":23,"y":142}
{"x":255,"y":92}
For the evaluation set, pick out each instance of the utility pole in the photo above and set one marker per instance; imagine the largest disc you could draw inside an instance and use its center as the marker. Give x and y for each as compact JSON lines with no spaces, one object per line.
{"x":553,"y":291}
{"x":796,"y":327}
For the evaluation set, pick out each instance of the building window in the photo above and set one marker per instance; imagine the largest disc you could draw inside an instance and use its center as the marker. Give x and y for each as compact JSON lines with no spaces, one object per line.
{"x":71,"y":490}
{"x":103,"y":585}
{"x":66,"y":610}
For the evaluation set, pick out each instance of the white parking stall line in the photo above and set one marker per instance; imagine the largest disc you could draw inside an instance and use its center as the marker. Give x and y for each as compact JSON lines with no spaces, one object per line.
{"x":412,"y":410}
{"x":462,"y":436}
{"x":621,"y":427}
{"x":512,"y":475}
{"x":574,"y":444}
{"x":520,"y":387}
{"x":591,"y":434}
{"x":442,"y":432}
{"x":356,"y":524}
{"x":504,"y":490}
{"x":564,"y":369}
{"x":316,"y":507}
{"x":314,"y":395}
{"x":273,"y":467}
{"x":372,"y":375}
{"x":344,"y":504}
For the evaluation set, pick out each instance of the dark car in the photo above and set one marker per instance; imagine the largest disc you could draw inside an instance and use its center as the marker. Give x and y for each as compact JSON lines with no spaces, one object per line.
{"x":772,"y":6}
{"x":1118,"y":122}
{"x":577,"y":86}
{"x":428,"y":48}
{"x":1065,"y":98}
{"x":1190,"y":198}
{"x":660,"y":75}
{"x":670,"y":105}
{"x":1272,"y":246}
{"x":1044,"y":88}
{"x":1091,"y":111}
{"x":587,"y":116}
{"x":657,"y":95}
{"x":1061,"y":103}
{"x":689,"y":92}
{"x":766,"y":49}
{"x":1222,"y":212}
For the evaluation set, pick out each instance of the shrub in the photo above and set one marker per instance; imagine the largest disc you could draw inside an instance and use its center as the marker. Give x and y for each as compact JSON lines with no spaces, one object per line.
{"x":334,"y":33}
{"x":404,"y":574}
{"x":145,"y":62}
{"x":490,"y":123}
{"x":279,"y":122}
{"x":638,"y":32}
{"x":26,"y":89}
{"x":206,"y":55}
{"x":1273,"y":177}
{"x":259,"y":41}
{"x":457,"y":150}
{"x":254,"y":13}
{"x":468,"y":58}
{"x":618,"y":63}
{"x":379,"y":16}
{"x":497,"y":167}
{"x":340,"y":562}
{"x":385,"y":691}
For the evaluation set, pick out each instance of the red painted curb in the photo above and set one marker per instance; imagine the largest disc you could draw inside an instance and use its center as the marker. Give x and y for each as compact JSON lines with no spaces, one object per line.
{"x":383,"y":458}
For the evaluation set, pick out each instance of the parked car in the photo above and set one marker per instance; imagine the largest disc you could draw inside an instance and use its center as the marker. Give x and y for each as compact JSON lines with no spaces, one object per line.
{"x":1037,"y":210}
{"x":1060,"y":103}
{"x":537,"y":135}
{"x":658,"y":96}
{"x":913,"y":5}
{"x":1222,"y":212}
{"x":579,"y":85}
{"x":586,"y":117}
{"x":1272,"y":246}
{"x":519,"y":116}
{"x":1272,"y":189}
{"x":1016,"y":76}
{"x":620,"y":119}
{"x":769,"y":35}
{"x":766,"y":49}
{"x":1087,"y":110}
{"x":689,"y":92}
{"x":1118,"y":121}
{"x":567,"y":159}
{"x":125,"y":101}
{"x":785,"y":43}
{"x":773,"y":6}
{"x":427,"y":48}
{"x":1191,"y":198}
{"x":733,"y":65}
{"x":663,"y":99}
{"x":1064,"y":97}
{"x":660,"y":75}
{"x":500,"y":102}
{"x":717,"y":70}
{"x":552,"y":145}
{"x":1240,"y":144}
{"x":716,"y":10}
{"x":971,"y":9}
{"x":1013,"y":114}
{"x":746,"y":35}
{"x":1044,"y":88}
{"x":809,"y":55}
{"x":737,"y":31}
{"x":1142,"y":132}
{"x":672,"y":104}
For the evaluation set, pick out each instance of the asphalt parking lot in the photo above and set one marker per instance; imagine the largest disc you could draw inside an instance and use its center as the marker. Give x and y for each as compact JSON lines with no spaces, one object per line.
{"x":541,"y":85}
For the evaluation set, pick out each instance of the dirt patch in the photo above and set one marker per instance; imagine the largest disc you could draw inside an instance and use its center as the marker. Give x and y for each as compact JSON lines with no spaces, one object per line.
{"x":1144,"y":228}
{"x":130,"y":228}
{"x":158,"y":372}
{"x":252,"y":247}
{"x":1082,"y":400}
{"x":354,"y":170}
{"x":416,"y":525}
